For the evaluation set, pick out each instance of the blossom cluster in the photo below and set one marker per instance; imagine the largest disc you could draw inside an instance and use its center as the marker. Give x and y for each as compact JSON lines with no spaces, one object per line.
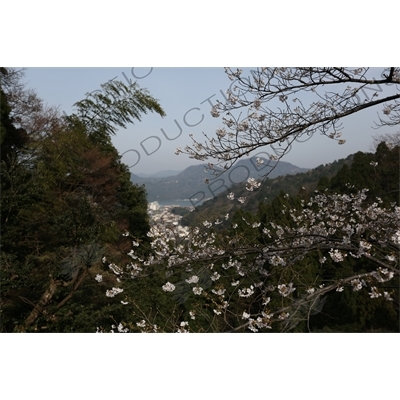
{"x":114,"y":291}
{"x":265,"y":109}
{"x":252,"y":184}
{"x":232,"y":274}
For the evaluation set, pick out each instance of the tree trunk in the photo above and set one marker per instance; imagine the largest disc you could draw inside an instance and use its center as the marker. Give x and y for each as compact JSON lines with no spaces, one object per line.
{"x":76,"y":286}
{"x":39,"y":307}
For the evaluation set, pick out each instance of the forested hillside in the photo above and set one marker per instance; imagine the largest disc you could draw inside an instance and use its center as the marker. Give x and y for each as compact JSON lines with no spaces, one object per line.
{"x":353,"y":312}
{"x":65,"y":201}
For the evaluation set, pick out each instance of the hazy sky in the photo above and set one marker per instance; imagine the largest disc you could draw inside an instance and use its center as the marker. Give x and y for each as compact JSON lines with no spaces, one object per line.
{"x":185,"y":95}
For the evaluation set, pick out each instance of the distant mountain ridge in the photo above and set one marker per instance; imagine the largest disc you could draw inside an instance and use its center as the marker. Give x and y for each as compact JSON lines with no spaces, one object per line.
{"x":160,"y":174}
{"x":189,"y":184}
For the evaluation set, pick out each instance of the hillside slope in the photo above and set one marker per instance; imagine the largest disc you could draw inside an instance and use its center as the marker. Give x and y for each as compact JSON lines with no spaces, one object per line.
{"x":219,"y":206}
